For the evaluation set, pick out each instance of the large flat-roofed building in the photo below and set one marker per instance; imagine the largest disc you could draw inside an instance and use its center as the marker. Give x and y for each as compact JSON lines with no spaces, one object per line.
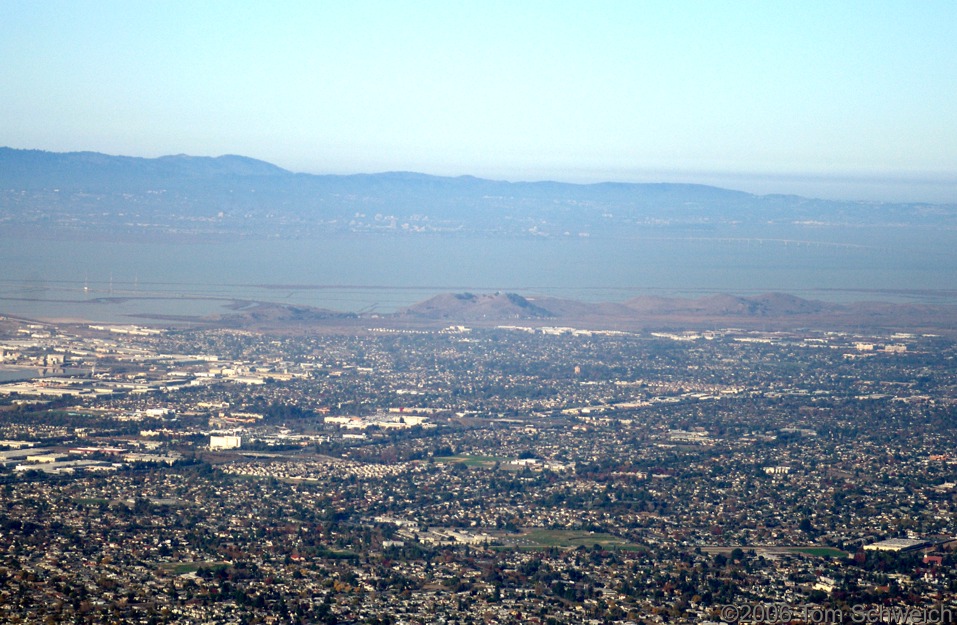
{"x":45,"y":458}
{"x":225,"y":442}
{"x":15,"y":456}
{"x":65,"y":467}
{"x":17,"y":444}
{"x":897,"y":544}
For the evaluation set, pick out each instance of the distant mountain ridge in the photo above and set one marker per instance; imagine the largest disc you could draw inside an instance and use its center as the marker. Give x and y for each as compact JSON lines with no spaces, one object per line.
{"x":82,"y":192}
{"x":92,"y":171}
{"x":764,"y":312}
{"x":767,"y":304}
{"x":501,"y":306}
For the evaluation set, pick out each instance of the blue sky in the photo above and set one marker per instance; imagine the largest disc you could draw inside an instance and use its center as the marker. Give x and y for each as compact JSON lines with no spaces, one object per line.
{"x":835,"y":99}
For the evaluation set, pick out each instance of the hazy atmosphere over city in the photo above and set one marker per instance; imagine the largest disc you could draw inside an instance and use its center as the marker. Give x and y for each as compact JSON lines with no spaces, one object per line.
{"x":462,"y":313}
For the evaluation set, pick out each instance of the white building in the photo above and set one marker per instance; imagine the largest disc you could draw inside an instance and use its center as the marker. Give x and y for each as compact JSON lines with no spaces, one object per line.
{"x":896,"y":544}
{"x":225,"y":442}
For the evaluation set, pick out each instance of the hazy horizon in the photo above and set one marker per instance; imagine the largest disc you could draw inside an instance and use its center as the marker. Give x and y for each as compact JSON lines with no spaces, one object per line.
{"x":843,"y":101}
{"x":891,"y":187}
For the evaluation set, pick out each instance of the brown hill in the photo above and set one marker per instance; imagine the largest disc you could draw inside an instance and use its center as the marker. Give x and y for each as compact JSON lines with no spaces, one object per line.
{"x":723,"y":305}
{"x":471,"y":307}
{"x":509,"y":306}
{"x":770,"y":311}
{"x":266,"y":314}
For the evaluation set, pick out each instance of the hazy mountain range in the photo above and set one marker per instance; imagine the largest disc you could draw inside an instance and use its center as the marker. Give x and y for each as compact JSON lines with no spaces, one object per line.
{"x":78,"y":193}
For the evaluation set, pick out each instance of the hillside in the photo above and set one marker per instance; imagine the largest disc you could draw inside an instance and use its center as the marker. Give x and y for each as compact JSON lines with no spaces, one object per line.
{"x":471,"y":307}
{"x":765,"y":312}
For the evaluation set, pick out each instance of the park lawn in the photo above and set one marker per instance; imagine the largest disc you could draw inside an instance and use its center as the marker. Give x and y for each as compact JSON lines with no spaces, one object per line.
{"x":191,"y":567}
